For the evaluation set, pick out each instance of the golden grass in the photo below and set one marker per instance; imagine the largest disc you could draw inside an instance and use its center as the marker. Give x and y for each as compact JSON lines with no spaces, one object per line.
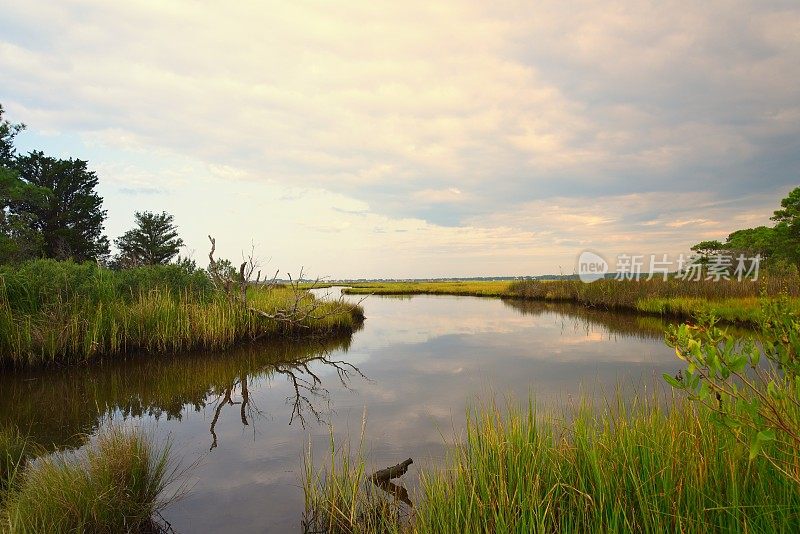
{"x":732,"y":301}
{"x":57,"y":312}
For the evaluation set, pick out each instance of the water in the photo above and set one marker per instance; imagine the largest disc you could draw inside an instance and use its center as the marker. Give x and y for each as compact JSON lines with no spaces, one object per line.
{"x":423,"y":359}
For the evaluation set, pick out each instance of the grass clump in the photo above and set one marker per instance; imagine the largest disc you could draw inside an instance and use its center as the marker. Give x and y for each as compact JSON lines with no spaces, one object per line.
{"x":340,"y":499}
{"x":62,"y":312}
{"x":15,"y":450}
{"x":116,"y":485}
{"x":644,"y":467}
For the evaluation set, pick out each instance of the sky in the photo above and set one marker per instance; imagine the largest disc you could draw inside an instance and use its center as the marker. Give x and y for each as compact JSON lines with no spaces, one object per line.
{"x":417,"y":139}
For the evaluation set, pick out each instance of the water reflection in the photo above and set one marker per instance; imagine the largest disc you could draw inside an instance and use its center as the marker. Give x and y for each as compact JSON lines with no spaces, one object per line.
{"x":58,"y":407}
{"x":589,"y":319}
{"x":249,"y":413}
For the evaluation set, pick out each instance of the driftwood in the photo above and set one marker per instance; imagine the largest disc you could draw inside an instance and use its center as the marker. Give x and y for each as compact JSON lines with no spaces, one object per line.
{"x":382,"y":479}
{"x":391,"y":472}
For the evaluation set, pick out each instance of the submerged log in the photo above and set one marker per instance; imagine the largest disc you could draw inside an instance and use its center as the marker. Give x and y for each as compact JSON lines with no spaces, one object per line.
{"x":391,"y":472}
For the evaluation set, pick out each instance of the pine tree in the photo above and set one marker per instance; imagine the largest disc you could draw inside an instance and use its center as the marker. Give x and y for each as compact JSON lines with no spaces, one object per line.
{"x":153,"y":241}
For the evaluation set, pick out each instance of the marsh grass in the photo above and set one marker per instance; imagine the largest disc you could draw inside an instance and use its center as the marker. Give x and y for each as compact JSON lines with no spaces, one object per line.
{"x":116,"y":484}
{"x":339,"y":498}
{"x":15,"y":451}
{"x":490,"y":288}
{"x":731,"y":300}
{"x":644,"y":467}
{"x":61,"y":312}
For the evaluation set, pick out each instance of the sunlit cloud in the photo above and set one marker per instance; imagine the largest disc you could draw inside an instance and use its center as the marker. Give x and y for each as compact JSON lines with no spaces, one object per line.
{"x":465,"y":137}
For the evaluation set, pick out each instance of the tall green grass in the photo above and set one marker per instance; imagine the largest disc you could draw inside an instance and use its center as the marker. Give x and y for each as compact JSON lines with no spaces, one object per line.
{"x":731,"y":300}
{"x":116,"y":485}
{"x":61,"y":312}
{"x":15,"y":451}
{"x":637,"y":469}
{"x":339,"y":499}
{"x":644,"y":467}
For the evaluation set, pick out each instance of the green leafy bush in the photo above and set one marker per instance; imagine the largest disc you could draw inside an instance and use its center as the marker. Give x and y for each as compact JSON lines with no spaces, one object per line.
{"x":751,"y":385}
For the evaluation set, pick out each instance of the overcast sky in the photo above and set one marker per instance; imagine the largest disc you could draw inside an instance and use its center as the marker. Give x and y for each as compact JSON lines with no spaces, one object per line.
{"x":415,"y":139}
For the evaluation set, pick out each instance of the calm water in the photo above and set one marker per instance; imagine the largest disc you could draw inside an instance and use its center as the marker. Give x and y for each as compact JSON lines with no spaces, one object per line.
{"x":424,"y":360}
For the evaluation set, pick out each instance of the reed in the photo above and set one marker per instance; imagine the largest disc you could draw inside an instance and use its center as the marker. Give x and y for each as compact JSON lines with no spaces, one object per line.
{"x":731,"y":300}
{"x":116,"y":484}
{"x":640,"y":467}
{"x":339,"y":499}
{"x":61,"y":312}
{"x":15,"y":450}
{"x":636,"y":294}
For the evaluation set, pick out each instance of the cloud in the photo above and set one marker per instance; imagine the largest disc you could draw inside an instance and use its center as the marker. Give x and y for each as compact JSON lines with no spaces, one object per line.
{"x":439,"y":196}
{"x":395,"y":107}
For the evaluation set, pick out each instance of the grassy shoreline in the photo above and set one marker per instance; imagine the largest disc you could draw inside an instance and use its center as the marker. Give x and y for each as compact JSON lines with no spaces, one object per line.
{"x":64,"y":313}
{"x":719,"y":453}
{"x":732,"y":301}
{"x":641,"y":468}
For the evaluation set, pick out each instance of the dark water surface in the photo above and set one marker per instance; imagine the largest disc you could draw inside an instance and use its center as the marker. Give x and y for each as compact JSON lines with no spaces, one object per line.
{"x":246,"y":416}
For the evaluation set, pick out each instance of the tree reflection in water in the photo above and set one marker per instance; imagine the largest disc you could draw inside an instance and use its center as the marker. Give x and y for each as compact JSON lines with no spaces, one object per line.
{"x":59,"y":406}
{"x":307,"y":386}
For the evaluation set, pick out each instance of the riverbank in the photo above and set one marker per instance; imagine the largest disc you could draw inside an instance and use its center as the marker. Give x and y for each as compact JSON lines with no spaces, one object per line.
{"x":65,"y":313}
{"x":640,"y":468}
{"x":722,"y":458}
{"x":730,"y":300}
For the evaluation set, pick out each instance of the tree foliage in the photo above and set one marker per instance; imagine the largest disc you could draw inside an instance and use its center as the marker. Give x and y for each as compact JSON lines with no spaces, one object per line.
{"x":153,"y":241}
{"x":8,"y":131}
{"x":787,"y":227}
{"x":71,"y":217}
{"x":779,"y":245}
{"x":759,"y":240}
{"x":708,"y":248}
{"x":48,"y":206}
{"x":18,"y":239}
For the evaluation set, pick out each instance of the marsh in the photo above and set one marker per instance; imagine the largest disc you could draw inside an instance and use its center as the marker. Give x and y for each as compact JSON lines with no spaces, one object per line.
{"x":246,"y":415}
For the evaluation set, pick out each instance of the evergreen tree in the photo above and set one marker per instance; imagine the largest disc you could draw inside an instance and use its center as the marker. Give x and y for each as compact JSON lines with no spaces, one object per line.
{"x":70,"y":217}
{"x":780,"y":245}
{"x":18,"y":239}
{"x":153,"y":241}
{"x":7,"y":133}
{"x":787,"y":227}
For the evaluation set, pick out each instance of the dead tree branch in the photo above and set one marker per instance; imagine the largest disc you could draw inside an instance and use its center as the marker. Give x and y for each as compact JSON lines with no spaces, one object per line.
{"x":301,"y":307}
